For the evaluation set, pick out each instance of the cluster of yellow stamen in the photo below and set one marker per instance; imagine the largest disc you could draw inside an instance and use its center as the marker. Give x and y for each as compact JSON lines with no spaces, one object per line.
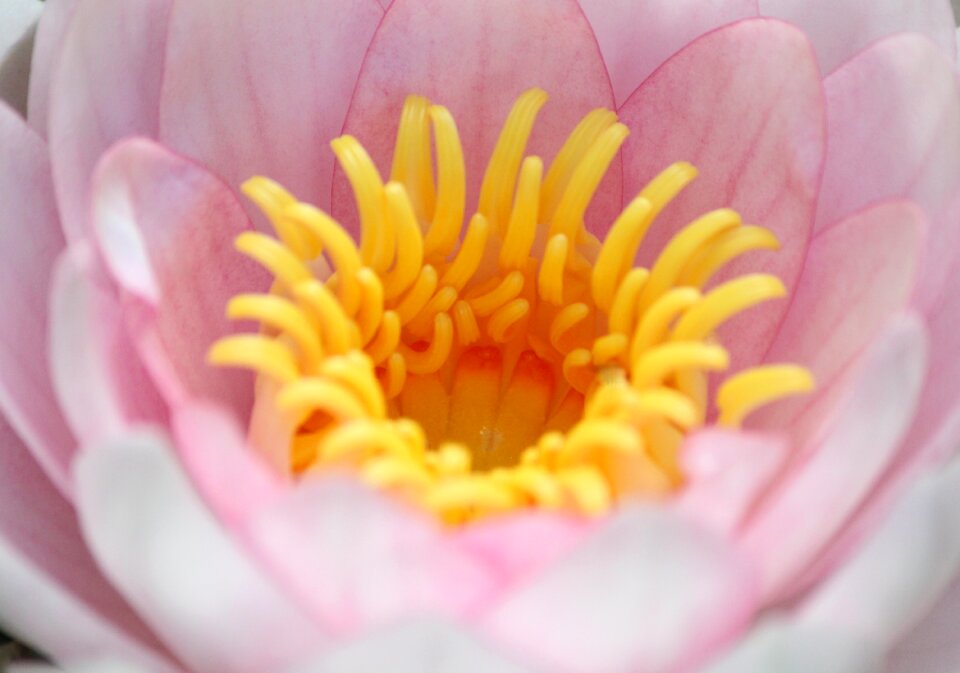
{"x":518,"y":364}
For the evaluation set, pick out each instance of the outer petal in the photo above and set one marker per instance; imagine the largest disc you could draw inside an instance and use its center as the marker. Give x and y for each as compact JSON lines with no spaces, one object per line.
{"x":170,"y":558}
{"x":841,"y":29}
{"x":166,"y":230}
{"x":475,"y":57}
{"x":932,"y":646}
{"x":647,"y":592}
{"x":636,"y":37}
{"x":106,"y":85}
{"x":262,"y":87}
{"x":52,"y":594}
{"x":897,"y":576}
{"x":18,"y":19}
{"x":726,"y":473}
{"x":903,"y":90}
{"x":360,"y":559}
{"x":756,"y":136}
{"x":30,"y":240}
{"x":413,"y":647}
{"x":51,"y":31}
{"x":850,"y":453}
{"x":857,"y":275}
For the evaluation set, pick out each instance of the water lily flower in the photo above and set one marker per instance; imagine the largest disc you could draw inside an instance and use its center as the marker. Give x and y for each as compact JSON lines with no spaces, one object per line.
{"x":576,"y":336}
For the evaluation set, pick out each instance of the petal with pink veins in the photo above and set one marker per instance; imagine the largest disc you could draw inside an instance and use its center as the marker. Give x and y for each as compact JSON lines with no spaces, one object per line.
{"x":756,"y":137}
{"x":204,"y":596}
{"x":30,"y":239}
{"x":361,"y":559}
{"x":894,"y":120}
{"x":648,"y":591}
{"x":475,"y":57}
{"x":166,"y":228}
{"x":853,"y":448}
{"x":51,"y":30}
{"x":635,"y":38}
{"x":725,"y":474}
{"x":260,"y":88}
{"x":857,"y":275}
{"x":53,"y":596}
{"x":105,"y":86}
{"x":839,"y":30}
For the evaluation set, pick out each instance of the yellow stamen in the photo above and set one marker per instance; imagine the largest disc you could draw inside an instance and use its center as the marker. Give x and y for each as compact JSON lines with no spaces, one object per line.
{"x":514,"y":363}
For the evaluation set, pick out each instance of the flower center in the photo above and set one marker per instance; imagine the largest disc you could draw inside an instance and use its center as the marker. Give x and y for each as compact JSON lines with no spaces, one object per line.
{"x":520,"y":363}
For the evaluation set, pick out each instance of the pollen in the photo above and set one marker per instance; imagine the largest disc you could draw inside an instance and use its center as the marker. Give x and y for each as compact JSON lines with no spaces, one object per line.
{"x":481,"y":362}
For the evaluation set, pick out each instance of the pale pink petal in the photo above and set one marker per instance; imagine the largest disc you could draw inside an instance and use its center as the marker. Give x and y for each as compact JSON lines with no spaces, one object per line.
{"x":785,"y":646}
{"x":360,"y":558}
{"x":756,"y":136}
{"x":857,"y":275}
{"x":52,"y":594}
{"x":51,"y":31}
{"x":18,"y":21}
{"x":30,"y":239}
{"x":475,"y":57}
{"x":725,"y":474}
{"x":166,"y":228}
{"x":932,"y":645}
{"x":167,"y":554}
{"x":839,"y":30}
{"x":414,"y":647}
{"x":894,"y":120}
{"x":636,"y":37}
{"x":647,"y":592}
{"x":98,"y":378}
{"x":895,"y":578}
{"x":260,"y":88}
{"x":517,"y":547}
{"x":846,"y":460}
{"x":105,"y":86}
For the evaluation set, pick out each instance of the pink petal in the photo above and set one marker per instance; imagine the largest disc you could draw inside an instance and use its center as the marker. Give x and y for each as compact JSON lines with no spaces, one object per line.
{"x":839,"y":30}
{"x":105,"y":86}
{"x":726,"y":472}
{"x":260,"y":88}
{"x":896,"y":577}
{"x":647,"y":592}
{"x":904,"y":91}
{"x":166,"y":228}
{"x":52,"y":594}
{"x":53,"y":26}
{"x":932,"y":645}
{"x":414,"y":647}
{"x":30,"y":239}
{"x":848,"y":456}
{"x":98,"y":378}
{"x":359,"y":558}
{"x":18,"y":22}
{"x":756,"y":136}
{"x":208,"y":601}
{"x":857,"y":275}
{"x":475,"y":57}
{"x":635,"y":38}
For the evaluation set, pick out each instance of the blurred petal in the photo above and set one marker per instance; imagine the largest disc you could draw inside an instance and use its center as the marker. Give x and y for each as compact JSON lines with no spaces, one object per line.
{"x":413,"y":647}
{"x":30,"y":239}
{"x":839,"y":30}
{"x":166,"y":553}
{"x":932,"y":645}
{"x":18,"y":20}
{"x":360,"y":558}
{"x":724,"y":105}
{"x":17,"y":17}
{"x":725,"y":474}
{"x":513,"y":46}
{"x":105,"y":86}
{"x":166,"y":228}
{"x":635,"y":38}
{"x":849,"y":454}
{"x":905,"y":91}
{"x":51,"y":31}
{"x":52,"y":594}
{"x":260,"y":88}
{"x":647,"y":591}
